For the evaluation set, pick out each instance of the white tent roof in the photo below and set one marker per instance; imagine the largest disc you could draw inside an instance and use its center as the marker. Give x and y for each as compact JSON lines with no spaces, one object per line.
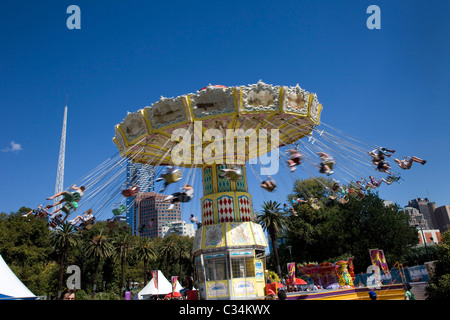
{"x":164,"y":287}
{"x":10,"y":286}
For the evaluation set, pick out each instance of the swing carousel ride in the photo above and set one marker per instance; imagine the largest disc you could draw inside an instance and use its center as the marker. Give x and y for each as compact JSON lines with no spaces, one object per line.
{"x":222,"y":131}
{"x":228,"y":238}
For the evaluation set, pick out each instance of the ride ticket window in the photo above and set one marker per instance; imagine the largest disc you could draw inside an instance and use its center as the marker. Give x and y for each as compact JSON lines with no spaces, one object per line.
{"x":243,"y":267}
{"x":216,"y":269}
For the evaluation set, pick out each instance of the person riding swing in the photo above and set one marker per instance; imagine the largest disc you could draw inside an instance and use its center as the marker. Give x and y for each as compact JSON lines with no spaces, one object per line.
{"x":68,"y":196}
{"x":184,"y":196}
{"x":269,"y":185}
{"x":327,"y":163}
{"x":295,"y":159}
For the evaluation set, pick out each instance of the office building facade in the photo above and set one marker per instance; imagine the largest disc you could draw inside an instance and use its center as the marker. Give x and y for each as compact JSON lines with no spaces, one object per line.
{"x":441,"y":218}
{"x":151,"y":214}
{"x":181,"y":228}
{"x":425,"y":207}
{"x":142,"y":176}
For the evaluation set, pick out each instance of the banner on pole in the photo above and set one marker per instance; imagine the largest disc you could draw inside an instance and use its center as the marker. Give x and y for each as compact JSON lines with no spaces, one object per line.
{"x":174,"y":283}
{"x":291,"y":272}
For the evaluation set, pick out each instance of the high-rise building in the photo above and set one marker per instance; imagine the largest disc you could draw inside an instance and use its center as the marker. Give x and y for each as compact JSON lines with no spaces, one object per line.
{"x":151,"y":214}
{"x":425,"y":207}
{"x":416,"y":218}
{"x":441,"y":218}
{"x":142,"y":176}
{"x":181,"y":228}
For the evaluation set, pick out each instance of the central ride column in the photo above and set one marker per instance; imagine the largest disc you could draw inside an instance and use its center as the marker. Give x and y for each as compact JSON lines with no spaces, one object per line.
{"x":229,"y":247}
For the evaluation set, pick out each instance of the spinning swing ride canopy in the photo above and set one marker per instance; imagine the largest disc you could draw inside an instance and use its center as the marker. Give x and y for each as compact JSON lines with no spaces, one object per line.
{"x":149,"y":135}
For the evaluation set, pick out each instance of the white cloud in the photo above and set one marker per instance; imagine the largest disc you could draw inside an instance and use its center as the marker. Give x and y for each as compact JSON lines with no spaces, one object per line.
{"x":14,"y":147}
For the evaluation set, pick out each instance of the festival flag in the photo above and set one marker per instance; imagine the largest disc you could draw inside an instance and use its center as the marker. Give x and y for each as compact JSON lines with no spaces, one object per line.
{"x":174,"y":283}
{"x":291,"y":272}
{"x":374,"y":256}
{"x":383,"y":262}
{"x":378,"y":259}
{"x":155,"y":277}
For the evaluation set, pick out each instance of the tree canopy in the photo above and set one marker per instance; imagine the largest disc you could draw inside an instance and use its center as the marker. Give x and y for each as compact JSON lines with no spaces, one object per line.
{"x":351,"y":229}
{"x":109,"y":260}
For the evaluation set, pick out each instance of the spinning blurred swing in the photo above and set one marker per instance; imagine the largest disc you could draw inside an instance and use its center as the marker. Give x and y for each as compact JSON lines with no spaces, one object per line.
{"x":119,"y":210}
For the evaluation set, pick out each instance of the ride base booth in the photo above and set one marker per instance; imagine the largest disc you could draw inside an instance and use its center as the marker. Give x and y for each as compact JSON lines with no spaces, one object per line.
{"x":229,"y":247}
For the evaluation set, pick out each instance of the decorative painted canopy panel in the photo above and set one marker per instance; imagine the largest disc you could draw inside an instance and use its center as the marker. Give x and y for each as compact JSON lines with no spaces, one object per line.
{"x":199,"y":119}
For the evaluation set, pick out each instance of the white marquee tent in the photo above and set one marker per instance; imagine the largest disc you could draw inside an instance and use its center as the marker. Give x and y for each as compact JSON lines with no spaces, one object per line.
{"x":164,"y":287}
{"x":11,"y":288}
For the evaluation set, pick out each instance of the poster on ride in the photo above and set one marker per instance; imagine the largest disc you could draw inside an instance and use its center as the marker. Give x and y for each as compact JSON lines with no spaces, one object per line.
{"x":291,"y":272}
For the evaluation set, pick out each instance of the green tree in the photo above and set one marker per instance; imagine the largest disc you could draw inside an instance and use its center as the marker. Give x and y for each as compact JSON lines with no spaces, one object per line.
{"x":123,"y":246}
{"x":145,"y":251}
{"x":62,"y":240}
{"x":352,"y":228}
{"x":185,"y":245}
{"x":439,"y":284}
{"x":99,"y":248}
{"x":24,"y":245}
{"x":275,"y":222}
{"x":169,"y":250}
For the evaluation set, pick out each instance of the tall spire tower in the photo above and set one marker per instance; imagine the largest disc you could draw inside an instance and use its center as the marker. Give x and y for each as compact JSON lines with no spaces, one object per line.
{"x":62,"y":151}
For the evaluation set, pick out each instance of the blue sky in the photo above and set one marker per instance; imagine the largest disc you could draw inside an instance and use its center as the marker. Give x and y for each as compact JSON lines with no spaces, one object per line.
{"x":388,"y":86}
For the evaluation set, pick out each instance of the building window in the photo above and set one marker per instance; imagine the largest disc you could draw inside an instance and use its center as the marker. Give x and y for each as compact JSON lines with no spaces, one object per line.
{"x":216,"y":269}
{"x":199,"y":271}
{"x":243,"y":267}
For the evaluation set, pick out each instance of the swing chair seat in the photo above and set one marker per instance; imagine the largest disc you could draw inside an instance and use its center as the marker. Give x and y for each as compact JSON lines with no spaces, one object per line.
{"x":130,"y":192}
{"x":76,"y":196}
{"x":172,"y":177}
{"x":330,"y":165}
{"x":69,"y":206}
{"x":392,"y":178}
{"x":42,"y":214}
{"x":359,"y":195}
{"x":269,"y":188}
{"x":232,"y":175}
{"x":55,"y":222}
{"x":184,"y":198}
{"x":343,"y":200}
{"x":119,"y":210}
{"x":87,"y":225}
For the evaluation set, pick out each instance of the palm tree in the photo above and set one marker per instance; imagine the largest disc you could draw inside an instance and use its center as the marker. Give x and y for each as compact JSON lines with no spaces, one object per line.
{"x":185,"y":246}
{"x":99,"y":247}
{"x":62,"y":240}
{"x":145,"y":251}
{"x":123,"y":245}
{"x":168,"y":250}
{"x":275,"y":222}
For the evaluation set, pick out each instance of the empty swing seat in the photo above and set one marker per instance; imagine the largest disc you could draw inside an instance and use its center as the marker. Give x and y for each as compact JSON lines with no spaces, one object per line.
{"x":130,"y":192}
{"x":119,"y":210}
{"x":172,"y":177}
{"x":233,"y":175}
